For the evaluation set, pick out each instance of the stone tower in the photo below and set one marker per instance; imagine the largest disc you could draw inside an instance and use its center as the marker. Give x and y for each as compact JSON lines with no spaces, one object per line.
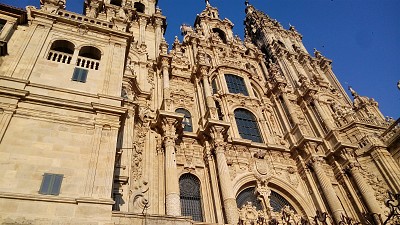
{"x":102,"y":123}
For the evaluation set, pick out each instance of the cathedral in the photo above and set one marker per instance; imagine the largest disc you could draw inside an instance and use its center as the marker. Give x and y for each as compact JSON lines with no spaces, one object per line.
{"x":102,"y":122}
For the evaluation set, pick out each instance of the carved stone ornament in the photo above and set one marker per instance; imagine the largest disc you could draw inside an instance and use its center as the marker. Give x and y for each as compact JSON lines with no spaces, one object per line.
{"x":248,"y":214}
{"x":262,"y":166}
{"x":52,"y":6}
{"x":292,"y":176}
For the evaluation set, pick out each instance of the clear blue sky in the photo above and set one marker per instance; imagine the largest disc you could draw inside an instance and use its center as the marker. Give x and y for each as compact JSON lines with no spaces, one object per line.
{"x":362,"y":37}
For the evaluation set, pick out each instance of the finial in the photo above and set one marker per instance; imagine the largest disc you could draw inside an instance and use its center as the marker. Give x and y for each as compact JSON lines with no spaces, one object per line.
{"x":246,"y":2}
{"x":353,"y":92}
{"x":207,"y":2}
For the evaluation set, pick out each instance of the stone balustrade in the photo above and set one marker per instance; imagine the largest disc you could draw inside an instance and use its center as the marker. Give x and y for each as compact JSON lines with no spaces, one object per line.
{"x":61,"y":57}
{"x":87,"y":63}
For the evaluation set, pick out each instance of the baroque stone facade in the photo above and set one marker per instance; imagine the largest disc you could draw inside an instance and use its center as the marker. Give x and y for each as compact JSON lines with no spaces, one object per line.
{"x":102,"y":124}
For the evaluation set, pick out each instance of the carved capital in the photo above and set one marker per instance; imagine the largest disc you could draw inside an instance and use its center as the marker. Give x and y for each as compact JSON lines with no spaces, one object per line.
{"x":316,"y":161}
{"x":169,"y":129}
{"x":165,"y":62}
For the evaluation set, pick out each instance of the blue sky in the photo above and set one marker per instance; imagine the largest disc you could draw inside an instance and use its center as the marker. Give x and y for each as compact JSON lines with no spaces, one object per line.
{"x":362,"y":37}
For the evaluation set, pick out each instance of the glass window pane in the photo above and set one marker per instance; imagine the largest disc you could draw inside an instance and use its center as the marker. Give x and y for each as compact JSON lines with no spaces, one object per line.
{"x":247,"y":125}
{"x":277,"y":202}
{"x":236,"y":84}
{"x":55,"y":190}
{"x":44,"y":188}
{"x":80,"y":75}
{"x":187,"y":119}
{"x":248,"y":195}
{"x":189,"y":186}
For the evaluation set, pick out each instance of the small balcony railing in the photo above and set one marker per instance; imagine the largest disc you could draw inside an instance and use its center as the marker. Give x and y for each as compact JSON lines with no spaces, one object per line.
{"x":87,"y":63}
{"x":60,"y":57}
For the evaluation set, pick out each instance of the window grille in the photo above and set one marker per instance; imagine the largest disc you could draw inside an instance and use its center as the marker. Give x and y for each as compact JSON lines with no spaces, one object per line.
{"x":248,"y":195}
{"x":247,"y":125}
{"x":189,"y":186}
{"x":80,"y":75}
{"x":187,"y":120}
{"x":277,"y":202}
{"x":51,"y":184}
{"x":236,"y":84}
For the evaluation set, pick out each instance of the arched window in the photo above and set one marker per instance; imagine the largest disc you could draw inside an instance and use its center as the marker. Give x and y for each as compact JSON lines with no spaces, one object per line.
{"x":248,"y":195}
{"x":63,"y":46}
{"x":187,"y":119}
{"x":89,"y":58}
{"x":247,"y":125}
{"x":277,"y":202}
{"x":90,"y":52}
{"x":139,"y":7}
{"x":189,"y":186}
{"x":236,"y":84}
{"x":220,"y":33}
{"x":61,"y":51}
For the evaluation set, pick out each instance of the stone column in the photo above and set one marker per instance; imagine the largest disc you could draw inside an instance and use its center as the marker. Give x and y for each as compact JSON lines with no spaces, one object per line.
{"x":390,"y":170}
{"x":327,"y":189}
{"x":142,"y":29}
{"x":326,"y":120}
{"x":158,"y":32}
{"x":207,"y":91}
{"x":292,"y":113}
{"x":366,"y":191}
{"x":228,"y":197}
{"x":166,"y":90}
{"x":172,"y":199}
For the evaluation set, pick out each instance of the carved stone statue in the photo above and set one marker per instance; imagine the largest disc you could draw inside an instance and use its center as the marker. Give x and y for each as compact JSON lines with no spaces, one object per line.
{"x":52,"y":6}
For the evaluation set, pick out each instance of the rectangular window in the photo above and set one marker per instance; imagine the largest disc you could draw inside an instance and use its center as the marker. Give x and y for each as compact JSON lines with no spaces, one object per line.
{"x":51,"y":184}
{"x":80,"y":75}
{"x":236,"y":84}
{"x":214,"y":86}
{"x":2,"y":23}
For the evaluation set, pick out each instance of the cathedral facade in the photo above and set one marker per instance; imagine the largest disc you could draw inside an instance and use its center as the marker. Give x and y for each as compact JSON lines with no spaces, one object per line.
{"x":103,"y":123}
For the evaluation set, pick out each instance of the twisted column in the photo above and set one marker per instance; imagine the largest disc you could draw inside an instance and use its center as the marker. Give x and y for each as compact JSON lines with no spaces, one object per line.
{"x":172,"y":199}
{"x":327,"y":189}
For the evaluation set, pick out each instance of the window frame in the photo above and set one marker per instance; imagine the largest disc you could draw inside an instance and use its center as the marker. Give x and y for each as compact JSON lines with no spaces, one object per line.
{"x":192,"y":199}
{"x":82,"y":78}
{"x":49,"y":185}
{"x":187,"y":125}
{"x":236,"y":84}
{"x":3,"y":23}
{"x":246,"y":124}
